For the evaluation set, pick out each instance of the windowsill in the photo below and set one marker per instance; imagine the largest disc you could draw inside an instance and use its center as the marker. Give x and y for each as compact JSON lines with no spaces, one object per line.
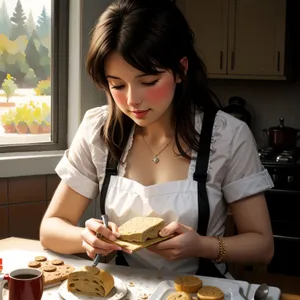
{"x":29,"y":163}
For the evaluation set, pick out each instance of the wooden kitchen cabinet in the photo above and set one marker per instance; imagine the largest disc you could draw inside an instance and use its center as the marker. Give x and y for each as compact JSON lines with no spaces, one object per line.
{"x":209,"y":21}
{"x":242,"y":39}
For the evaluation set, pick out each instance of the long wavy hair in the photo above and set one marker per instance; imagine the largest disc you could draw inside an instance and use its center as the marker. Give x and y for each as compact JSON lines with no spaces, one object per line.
{"x":150,"y":34}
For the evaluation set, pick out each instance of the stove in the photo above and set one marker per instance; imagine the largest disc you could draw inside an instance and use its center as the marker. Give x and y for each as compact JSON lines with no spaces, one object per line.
{"x":283,"y":201}
{"x":283,"y":167}
{"x":288,"y":156}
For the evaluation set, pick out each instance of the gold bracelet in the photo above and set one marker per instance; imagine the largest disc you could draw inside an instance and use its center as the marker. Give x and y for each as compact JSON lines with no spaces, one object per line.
{"x":222,"y":249}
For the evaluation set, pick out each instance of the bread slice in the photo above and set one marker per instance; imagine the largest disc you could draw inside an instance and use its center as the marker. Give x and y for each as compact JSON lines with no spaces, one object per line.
{"x":140,"y":229}
{"x":134,"y":246}
{"x":90,"y":281}
{"x":187,"y":283}
{"x":179,"y":296}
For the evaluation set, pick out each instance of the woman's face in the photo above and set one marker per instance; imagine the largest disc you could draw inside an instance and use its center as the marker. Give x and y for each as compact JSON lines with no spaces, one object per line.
{"x":143,"y":97}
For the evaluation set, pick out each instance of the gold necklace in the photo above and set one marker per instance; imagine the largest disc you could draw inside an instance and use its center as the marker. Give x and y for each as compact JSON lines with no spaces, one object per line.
{"x":155,"y":158}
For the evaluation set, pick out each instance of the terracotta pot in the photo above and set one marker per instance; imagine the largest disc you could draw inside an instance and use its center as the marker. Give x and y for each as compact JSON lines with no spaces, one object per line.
{"x":7,"y":104}
{"x":44,"y":128}
{"x":34,"y":128}
{"x":22,"y":128}
{"x":9,"y":128}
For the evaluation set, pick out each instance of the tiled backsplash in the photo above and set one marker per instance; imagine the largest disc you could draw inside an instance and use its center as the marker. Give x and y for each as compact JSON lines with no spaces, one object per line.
{"x":23,"y":202}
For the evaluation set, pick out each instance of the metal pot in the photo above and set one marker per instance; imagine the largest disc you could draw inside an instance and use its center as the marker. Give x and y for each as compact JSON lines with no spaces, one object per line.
{"x":282,"y":137}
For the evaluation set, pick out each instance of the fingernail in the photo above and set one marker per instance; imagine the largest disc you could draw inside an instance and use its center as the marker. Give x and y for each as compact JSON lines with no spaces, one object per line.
{"x":162,"y":233}
{"x":112,"y":237}
{"x":117,"y":234}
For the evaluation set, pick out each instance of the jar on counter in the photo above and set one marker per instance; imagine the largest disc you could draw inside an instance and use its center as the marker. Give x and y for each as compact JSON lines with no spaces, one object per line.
{"x":236,"y":108}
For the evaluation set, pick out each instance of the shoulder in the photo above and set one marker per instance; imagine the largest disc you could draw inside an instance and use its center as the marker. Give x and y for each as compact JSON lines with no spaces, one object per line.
{"x":92,"y":121}
{"x":225,"y":124}
{"x":96,"y":116}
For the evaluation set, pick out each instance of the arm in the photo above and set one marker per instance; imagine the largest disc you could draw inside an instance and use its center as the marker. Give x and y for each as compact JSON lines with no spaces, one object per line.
{"x":63,"y":214}
{"x":80,"y":184}
{"x":243,"y":188}
{"x":254,"y":242}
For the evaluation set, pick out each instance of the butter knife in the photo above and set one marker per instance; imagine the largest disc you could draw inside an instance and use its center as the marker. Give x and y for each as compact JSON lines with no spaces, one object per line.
{"x":96,"y":260}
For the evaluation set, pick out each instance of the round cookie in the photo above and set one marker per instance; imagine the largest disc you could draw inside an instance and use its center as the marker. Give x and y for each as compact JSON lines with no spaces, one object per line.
{"x":179,"y":296}
{"x":49,"y":268}
{"x":40,"y":258}
{"x":57,"y":262}
{"x":34,"y":264}
{"x":210,"y":293}
{"x":187,"y":283}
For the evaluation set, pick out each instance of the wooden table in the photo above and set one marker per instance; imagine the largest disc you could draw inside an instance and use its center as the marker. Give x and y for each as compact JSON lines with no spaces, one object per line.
{"x":34,"y":245}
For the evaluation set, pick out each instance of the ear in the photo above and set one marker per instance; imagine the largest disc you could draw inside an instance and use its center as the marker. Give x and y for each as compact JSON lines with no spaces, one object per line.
{"x":185,"y":64}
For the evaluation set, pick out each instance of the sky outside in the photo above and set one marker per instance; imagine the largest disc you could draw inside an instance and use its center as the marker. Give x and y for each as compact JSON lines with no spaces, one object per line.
{"x":33,"y":5}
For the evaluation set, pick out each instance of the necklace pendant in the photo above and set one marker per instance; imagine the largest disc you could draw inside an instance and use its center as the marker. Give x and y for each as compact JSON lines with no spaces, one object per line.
{"x":155,"y":159}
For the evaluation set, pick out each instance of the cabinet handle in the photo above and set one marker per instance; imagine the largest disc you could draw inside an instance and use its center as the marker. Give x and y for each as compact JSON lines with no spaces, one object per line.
{"x":278,"y":61}
{"x":221,"y":60}
{"x":232,"y":60}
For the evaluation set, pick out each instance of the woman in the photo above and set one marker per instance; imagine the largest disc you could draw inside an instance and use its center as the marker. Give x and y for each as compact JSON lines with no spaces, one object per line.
{"x":142,"y":55}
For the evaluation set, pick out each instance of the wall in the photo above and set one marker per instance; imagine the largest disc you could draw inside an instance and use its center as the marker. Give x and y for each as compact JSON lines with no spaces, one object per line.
{"x":23,"y":202}
{"x":267,"y":101}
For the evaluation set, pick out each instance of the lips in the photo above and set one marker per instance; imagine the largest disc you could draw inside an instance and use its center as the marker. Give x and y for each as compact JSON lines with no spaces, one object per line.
{"x":140,"y":113}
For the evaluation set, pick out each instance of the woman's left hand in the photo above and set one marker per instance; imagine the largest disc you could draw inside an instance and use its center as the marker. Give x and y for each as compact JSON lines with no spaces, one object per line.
{"x":184,"y":244}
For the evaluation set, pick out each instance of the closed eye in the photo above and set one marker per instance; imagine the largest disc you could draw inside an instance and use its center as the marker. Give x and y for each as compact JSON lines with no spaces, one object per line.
{"x":117,"y":87}
{"x":150,"y":83}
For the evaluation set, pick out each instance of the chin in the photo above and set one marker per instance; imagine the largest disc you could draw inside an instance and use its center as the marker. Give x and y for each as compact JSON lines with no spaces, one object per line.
{"x":141,"y":122}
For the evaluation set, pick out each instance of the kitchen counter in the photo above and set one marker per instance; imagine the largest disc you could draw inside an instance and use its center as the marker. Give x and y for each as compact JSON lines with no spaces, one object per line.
{"x":145,"y":282}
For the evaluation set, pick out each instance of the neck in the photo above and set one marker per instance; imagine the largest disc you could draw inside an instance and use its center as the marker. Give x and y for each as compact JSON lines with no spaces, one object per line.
{"x":159,"y":131}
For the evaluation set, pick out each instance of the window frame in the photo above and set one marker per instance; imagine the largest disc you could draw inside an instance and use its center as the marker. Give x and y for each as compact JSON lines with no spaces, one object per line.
{"x":59,"y":83}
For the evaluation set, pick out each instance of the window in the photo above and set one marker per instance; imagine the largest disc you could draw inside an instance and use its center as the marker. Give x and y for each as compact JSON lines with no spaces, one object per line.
{"x":33,"y":74}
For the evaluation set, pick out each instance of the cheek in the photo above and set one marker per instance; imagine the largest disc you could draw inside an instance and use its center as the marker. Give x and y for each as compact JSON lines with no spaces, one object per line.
{"x":119,"y":97}
{"x":160,"y":93}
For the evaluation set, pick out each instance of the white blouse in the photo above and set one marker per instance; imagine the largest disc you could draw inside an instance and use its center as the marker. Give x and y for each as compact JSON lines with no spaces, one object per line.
{"x":234,"y":172}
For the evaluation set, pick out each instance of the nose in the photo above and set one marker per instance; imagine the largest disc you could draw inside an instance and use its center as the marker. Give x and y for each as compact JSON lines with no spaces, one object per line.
{"x":134,"y":98}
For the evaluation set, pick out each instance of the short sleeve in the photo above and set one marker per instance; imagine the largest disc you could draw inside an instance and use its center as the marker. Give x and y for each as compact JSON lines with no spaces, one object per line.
{"x":245,"y":176}
{"x":76,"y":168}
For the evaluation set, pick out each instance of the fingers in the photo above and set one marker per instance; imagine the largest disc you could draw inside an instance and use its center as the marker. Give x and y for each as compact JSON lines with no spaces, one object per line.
{"x":95,"y":245}
{"x":97,"y":227}
{"x":173,"y":228}
{"x":114,"y":229}
{"x":91,"y":252}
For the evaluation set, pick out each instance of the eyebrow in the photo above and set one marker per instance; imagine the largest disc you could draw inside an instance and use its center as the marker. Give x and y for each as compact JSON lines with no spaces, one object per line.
{"x":138,"y":76}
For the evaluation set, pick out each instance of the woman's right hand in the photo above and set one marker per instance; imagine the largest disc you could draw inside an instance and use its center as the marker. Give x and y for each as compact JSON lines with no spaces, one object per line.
{"x":93,"y":244}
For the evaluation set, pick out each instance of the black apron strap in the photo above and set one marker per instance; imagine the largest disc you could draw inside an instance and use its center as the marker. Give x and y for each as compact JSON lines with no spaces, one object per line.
{"x":111,"y":169}
{"x":206,"y":267}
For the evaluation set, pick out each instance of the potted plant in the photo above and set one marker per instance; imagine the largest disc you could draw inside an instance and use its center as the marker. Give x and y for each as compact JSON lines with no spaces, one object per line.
{"x":21,"y":117}
{"x":9,"y":88}
{"x":7,"y":121}
{"x":45,"y":126}
{"x":34,"y":118}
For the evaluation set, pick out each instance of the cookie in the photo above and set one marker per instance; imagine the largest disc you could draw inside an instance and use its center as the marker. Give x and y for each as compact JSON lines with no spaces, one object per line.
{"x":187,"y":283}
{"x":54,"y":271}
{"x":49,"y":268}
{"x":57,"y":262}
{"x":179,"y":296}
{"x":40,"y":258}
{"x":34,"y":264}
{"x":210,"y":293}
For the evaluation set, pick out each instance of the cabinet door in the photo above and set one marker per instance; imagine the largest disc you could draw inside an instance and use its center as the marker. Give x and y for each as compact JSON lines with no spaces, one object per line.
{"x":256,"y":37}
{"x":208,"y":19}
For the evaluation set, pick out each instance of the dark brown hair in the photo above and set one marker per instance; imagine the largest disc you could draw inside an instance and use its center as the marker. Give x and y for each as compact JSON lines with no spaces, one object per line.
{"x":150,"y":34}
